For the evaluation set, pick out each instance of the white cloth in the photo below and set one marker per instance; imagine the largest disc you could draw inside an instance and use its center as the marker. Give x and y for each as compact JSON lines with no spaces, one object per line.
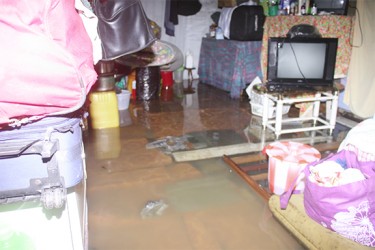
{"x":90,"y":21}
{"x":362,"y":137}
{"x":224,"y":20}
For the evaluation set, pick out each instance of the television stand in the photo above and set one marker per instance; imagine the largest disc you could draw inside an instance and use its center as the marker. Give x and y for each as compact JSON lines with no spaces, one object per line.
{"x":277,"y":124}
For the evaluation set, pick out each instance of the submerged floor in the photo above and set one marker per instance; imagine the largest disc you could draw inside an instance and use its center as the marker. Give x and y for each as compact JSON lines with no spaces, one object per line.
{"x":191,"y":204}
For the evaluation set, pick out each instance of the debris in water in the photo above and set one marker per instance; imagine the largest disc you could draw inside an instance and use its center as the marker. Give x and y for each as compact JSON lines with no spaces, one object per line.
{"x":153,"y":208}
{"x":170,"y":144}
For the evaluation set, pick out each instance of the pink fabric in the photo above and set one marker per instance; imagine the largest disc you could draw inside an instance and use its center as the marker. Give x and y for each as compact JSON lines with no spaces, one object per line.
{"x":45,"y":52}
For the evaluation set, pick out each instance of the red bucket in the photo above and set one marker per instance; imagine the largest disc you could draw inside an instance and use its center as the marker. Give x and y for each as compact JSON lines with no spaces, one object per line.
{"x":167,"y":78}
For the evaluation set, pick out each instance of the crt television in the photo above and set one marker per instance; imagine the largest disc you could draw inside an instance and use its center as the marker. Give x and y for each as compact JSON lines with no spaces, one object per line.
{"x":337,"y":7}
{"x":301,"y":62}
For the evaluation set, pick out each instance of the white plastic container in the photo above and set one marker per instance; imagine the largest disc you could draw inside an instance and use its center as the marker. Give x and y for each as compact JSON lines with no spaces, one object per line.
{"x":123,"y":100}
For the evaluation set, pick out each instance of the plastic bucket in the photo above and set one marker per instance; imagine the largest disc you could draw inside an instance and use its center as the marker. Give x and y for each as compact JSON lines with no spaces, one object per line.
{"x":286,"y":160}
{"x":123,"y":100}
{"x":167,"y":78}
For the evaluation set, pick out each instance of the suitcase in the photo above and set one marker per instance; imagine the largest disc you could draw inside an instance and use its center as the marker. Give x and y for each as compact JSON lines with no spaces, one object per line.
{"x":246,"y":23}
{"x":41,"y":160}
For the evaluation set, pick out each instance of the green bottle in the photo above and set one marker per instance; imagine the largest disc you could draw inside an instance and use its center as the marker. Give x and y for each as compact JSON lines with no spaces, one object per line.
{"x":264,"y":4}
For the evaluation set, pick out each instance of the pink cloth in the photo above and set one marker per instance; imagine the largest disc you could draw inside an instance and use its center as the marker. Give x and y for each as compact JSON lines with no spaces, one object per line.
{"x":46,"y":59}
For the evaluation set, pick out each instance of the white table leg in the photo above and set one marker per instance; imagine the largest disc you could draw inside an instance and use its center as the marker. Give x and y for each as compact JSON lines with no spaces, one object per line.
{"x":263,"y":139}
{"x":265,"y":111}
{"x":316,"y":108}
{"x":279,"y":117}
{"x":328,"y":109}
{"x":334,"y":106}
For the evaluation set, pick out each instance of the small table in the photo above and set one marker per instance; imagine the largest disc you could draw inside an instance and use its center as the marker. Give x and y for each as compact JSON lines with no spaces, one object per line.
{"x":228,"y":64}
{"x":328,"y":95}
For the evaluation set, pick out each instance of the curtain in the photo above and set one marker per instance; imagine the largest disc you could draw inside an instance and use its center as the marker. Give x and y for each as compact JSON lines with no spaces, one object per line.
{"x":360,"y":88}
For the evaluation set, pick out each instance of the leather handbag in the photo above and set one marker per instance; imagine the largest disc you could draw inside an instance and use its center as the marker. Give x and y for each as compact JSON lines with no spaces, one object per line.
{"x":123,"y":27}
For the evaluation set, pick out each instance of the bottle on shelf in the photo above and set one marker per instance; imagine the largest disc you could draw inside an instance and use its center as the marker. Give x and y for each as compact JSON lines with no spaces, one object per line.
{"x":273,"y":8}
{"x":314,"y":9}
{"x":303,"y":8}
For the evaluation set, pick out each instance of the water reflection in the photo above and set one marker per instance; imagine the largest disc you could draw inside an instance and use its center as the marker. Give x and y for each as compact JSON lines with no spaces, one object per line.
{"x":106,"y":143}
{"x":125,"y":118}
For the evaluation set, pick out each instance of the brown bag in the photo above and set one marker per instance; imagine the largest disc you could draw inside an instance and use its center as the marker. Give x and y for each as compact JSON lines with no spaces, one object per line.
{"x":123,"y":27}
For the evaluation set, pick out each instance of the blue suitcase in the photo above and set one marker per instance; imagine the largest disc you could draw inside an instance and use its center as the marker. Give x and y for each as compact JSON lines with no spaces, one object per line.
{"x":41,"y":160}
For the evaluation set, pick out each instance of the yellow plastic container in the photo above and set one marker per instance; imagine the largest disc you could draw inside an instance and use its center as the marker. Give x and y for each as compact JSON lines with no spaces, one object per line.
{"x":103,"y":110}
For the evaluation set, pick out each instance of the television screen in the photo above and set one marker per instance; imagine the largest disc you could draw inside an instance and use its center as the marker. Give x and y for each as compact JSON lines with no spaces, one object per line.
{"x":297,"y":61}
{"x":301,"y":62}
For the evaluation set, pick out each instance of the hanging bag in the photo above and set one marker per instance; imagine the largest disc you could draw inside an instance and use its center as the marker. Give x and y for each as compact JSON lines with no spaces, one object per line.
{"x":123,"y":27}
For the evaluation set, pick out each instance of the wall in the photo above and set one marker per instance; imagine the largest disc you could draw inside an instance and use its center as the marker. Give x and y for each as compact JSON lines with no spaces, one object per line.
{"x":189,"y":31}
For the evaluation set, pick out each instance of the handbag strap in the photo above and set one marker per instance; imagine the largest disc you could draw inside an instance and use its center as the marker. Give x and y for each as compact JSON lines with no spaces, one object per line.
{"x":285,"y":197}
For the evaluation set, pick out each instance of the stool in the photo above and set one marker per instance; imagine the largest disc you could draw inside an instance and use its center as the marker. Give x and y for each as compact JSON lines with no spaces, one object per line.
{"x":189,"y":89}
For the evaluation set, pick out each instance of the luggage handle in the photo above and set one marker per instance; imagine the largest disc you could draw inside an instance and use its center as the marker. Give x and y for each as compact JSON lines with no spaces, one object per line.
{"x":46,"y":148}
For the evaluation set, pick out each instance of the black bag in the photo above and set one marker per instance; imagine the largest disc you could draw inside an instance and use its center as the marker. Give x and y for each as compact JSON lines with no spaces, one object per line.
{"x":123,"y":27}
{"x":246,"y":23}
{"x":148,"y":82}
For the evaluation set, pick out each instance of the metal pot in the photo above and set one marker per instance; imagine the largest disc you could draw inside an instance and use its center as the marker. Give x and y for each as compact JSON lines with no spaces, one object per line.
{"x":105,"y":67}
{"x":105,"y":82}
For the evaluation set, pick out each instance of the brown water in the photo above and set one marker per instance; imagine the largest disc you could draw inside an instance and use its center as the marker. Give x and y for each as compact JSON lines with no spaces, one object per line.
{"x":209,"y":207}
{"x":205,"y":204}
